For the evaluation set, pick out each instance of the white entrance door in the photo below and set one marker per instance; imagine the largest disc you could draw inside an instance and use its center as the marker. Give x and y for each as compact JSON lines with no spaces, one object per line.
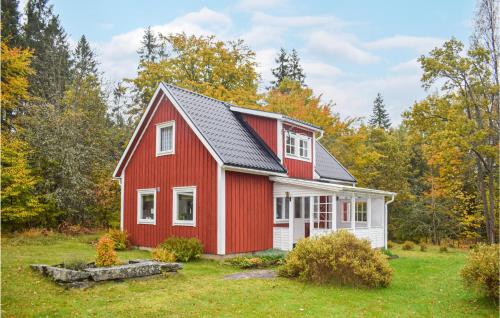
{"x":298,"y":219}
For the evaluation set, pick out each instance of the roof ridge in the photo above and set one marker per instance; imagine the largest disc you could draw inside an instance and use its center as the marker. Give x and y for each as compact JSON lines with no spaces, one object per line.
{"x":196,"y":93}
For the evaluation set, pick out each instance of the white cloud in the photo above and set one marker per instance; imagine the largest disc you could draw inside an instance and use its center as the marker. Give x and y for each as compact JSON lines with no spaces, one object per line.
{"x":339,"y":45}
{"x":320,"y":70}
{"x":260,"y":4}
{"x":419,"y":43}
{"x":409,"y":66}
{"x":119,"y":55}
{"x":298,"y":21}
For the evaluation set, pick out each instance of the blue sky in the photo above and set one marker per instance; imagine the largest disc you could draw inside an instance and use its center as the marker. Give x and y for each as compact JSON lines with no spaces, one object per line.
{"x":350,"y":49}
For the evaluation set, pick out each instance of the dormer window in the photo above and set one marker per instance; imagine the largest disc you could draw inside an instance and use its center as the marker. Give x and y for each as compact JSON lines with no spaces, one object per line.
{"x":298,"y":146}
{"x":165,"y":138}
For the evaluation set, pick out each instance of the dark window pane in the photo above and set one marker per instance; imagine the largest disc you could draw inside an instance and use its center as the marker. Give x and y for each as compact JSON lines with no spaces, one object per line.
{"x":185,"y":207}
{"x":307,"y":207}
{"x":297,"y":207}
{"x":148,"y":204}
{"x":279,"y":208}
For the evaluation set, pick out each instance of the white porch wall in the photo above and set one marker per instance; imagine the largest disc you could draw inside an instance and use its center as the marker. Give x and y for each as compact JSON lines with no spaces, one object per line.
{"x":378,"y":205}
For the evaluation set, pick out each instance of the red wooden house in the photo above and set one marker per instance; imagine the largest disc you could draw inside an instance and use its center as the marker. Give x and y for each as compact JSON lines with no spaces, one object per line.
{"x":238,"y":179}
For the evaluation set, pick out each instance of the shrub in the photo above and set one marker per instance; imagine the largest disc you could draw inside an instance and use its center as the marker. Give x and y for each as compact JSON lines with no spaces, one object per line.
{"x":120,"y":238}
{"x":387,"y":252}
{"x":390,"y":244}
{"x":185,"y":249}
{"x":338,"y":257}
{"x":256,"y":261}
{"x":423,"y":247}
{"x":481,"y":270}
{"x":443,"y":248}
{"x":408,"y":245}
{"x":76,"y":264}
{"x":72,"y":229}
{"x":162,"y":255}
{"x":106,"y":254}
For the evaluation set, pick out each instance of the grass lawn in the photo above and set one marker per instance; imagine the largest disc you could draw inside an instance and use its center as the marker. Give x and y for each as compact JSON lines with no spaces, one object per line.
{"x":425,"y":284}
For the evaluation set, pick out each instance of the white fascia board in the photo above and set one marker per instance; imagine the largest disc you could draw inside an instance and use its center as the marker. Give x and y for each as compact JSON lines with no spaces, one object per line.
{"x":221,"y":211}
{"x":330,"y":187}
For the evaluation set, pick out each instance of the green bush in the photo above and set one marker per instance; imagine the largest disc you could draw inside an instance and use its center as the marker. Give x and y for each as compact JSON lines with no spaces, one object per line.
{"x":120,"y":238}
{"x":185,"y":249}
{"x":408,"y":245}
{"x":481,"y":270}
{"x":338,"y":257}
{"x":162,"y":255}
{"x":106,"y":254}
{"x":423,"y":247}
{"x":443,"y":248}
{"x":390,"y":244}
{"x":387,"y":252}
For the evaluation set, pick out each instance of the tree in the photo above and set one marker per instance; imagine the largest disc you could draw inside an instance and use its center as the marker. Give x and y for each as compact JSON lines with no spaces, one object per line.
{"x":296,"y":72}
{"x":20,"y":204}
{"x":10,"y":22}
{"x":15,"y":71}
{"x":222,"y":70}
{"x":43,"y":34}
{"x":151,"y":50}
{"x":282,"y":68}
{"x":379,"y":118}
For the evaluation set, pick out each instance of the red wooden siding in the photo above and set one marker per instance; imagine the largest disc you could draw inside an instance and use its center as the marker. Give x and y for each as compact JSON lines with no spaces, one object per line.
{"x":266,"y":128}
{"x":191,"y":165}
{"x":298,"y":168}
{"x":249,"y":213}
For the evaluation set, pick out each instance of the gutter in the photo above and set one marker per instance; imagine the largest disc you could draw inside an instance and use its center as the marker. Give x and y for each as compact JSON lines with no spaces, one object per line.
{"x":385,"y":219}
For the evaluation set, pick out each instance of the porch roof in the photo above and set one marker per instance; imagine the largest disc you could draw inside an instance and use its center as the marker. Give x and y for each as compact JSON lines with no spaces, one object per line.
{"x":329,"y":186}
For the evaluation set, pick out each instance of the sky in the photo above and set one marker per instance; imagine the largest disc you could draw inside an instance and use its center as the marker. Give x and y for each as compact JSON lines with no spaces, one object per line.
{"x":350,"y":50}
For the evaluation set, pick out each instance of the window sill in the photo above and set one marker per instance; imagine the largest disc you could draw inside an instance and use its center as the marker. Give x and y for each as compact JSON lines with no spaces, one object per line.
{"x":281,"y":221}
{"x":165,"y":153}
{"x":191,"y":224}
{"x":297,"y":158}
{"x":146,"y":222}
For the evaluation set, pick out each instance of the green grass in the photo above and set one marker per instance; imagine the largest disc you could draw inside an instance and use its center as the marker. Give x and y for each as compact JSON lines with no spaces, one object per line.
{"x":425,"y":284}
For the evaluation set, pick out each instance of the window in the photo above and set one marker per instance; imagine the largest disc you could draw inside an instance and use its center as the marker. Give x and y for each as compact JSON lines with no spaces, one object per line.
{"x":184,"y":209}
{"x":282,"y":210}
{"x":322,"y":212}
{"x":361,"y":214}
{"x":298,"y":146}
{"x":146,"y":206}
{"x":297,"y":207}
{"x":307,"y":208}
{"x":345,"y":211}
{"x":165,"y":138}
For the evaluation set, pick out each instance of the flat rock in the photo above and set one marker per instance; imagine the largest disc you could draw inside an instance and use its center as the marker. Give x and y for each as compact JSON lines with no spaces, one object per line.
{"x":260,"y":274}
{"x":146,"y":268}
{"x":59,"y":274}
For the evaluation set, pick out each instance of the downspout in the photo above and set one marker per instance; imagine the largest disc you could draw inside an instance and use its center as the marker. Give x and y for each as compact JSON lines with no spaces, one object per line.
{"x":385,"y":220}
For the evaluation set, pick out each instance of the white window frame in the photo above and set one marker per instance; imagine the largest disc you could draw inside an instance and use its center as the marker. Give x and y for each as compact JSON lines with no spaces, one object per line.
{"x":158,"y":138}
{"x":284,"y":219}
{"x":140,"y":193}
{"x":348,"y":211}
{"x":365,"y":212}
{"x":297,"y":138}
{"x":180,"y":190}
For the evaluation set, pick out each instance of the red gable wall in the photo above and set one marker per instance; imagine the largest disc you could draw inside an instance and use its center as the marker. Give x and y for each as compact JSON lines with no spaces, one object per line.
{"x":266,"y":128}
{"x":298,"y":168}
{"x":191,"y":165}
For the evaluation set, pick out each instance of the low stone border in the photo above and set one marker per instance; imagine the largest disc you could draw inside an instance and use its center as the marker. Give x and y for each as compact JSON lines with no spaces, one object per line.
{"x":85,"y":277}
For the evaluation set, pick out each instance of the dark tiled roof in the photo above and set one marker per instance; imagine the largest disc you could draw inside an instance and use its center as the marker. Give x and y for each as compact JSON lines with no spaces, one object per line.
{"x":224,"y":131}
{"x":328,"y":167}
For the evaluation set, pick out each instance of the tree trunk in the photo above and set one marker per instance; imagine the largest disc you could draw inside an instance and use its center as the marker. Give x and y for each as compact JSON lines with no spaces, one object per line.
{"x":482,"y":190}
{"x":493,"y":202}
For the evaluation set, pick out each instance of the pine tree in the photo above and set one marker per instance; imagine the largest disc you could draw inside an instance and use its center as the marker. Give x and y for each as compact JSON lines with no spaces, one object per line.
{"x":295,"y":70}
{"x":84,"y":60}
{"x":151,"y":49}
{"x":10,"y":22}
{"x":379,"y":118}
{"x":282,"y":69}
{"x":44,"y":34}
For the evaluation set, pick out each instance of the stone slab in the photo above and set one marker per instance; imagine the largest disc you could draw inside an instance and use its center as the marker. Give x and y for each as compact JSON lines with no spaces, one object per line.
{"x":260,"y":274}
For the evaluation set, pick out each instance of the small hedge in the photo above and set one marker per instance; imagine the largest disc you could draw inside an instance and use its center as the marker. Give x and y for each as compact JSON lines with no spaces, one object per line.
{"x":481,"y":270}
{"x":184,"y":249}
{"x":390,"y":244}
{"x":443,"y":248}
{"x":120,"y":238}
{"x":339,"y":257}
{"x":257,"y":260}
{"x":408,"y":245}
{"x":106,"y":254}
{"x":423,"y":247}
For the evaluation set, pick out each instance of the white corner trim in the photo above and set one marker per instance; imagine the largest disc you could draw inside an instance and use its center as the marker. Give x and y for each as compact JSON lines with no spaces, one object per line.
{"x":159,"y":126}
{"x":140,"y":193}
{"x":175,"y":192}
{"x":122,"y":201}
{"x":279,"y":135}
{"x":221,"y":211}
